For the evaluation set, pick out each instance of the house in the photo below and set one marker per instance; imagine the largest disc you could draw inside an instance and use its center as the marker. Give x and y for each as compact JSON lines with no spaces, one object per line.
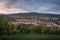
{"x":52,"y":26}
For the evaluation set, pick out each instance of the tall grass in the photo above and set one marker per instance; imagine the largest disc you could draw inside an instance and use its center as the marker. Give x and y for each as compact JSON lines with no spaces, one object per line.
{"x":32,"y":37}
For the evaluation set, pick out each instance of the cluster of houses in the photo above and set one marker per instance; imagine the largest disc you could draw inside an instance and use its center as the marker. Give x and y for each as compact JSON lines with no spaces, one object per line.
{"x":31,"y":21}
{"x":35,"y":22}
{"x":52,"y":26}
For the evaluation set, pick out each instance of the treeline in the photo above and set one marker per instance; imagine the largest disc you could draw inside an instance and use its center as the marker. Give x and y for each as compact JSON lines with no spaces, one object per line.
{"x":6,"y":28}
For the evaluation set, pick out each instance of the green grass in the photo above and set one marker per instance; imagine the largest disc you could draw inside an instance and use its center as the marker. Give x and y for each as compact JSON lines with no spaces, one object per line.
{"x":32,"y":37}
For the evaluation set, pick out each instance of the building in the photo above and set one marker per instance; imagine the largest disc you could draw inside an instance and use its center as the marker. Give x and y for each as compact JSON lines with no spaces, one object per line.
{"x":25,"y":21}
{"x":52,"y":26}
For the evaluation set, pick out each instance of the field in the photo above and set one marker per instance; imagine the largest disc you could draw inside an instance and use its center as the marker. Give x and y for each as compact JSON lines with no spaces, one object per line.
{"x":32,"y":37}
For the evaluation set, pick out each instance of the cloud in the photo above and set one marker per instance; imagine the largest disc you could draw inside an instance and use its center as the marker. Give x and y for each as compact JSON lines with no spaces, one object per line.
{"x":5,"y":9}
{"x":48,"y":8}
{"x":44,"y":6}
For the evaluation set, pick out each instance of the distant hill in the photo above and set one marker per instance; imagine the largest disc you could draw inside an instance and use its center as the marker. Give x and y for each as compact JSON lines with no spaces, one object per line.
{"x":36,"y":14}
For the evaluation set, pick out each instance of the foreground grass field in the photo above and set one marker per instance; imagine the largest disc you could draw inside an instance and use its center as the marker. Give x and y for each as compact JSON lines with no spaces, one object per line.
{"x":32,"y":37}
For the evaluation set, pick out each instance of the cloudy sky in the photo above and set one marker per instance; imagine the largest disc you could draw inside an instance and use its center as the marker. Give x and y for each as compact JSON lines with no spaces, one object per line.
{"x":19,"y":6}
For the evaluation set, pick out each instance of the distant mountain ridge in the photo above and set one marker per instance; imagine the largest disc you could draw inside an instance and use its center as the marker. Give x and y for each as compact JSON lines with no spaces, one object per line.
{"x":36,"y":14}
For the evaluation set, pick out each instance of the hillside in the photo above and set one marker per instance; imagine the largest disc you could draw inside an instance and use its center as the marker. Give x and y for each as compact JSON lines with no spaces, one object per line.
{"x":36,"y":14}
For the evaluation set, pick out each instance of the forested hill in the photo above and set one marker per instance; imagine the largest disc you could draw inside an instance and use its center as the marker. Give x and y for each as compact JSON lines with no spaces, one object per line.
{"x":36,"y":14}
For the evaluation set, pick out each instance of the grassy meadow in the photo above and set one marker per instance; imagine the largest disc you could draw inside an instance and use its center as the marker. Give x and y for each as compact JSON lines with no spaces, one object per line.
{"x":32,"y":37}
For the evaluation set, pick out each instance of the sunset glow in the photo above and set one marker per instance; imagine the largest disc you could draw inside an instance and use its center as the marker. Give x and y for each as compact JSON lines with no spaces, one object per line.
{"x":41,"y":6}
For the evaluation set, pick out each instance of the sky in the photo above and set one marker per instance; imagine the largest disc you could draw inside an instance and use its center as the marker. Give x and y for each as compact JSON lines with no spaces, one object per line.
{"x":21,"y":6}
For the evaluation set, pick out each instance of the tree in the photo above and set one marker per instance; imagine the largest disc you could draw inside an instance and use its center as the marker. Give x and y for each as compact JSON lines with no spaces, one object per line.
{"x":3,"y":25}
{"x":39,"y":29}
{"x":23,"y":28}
